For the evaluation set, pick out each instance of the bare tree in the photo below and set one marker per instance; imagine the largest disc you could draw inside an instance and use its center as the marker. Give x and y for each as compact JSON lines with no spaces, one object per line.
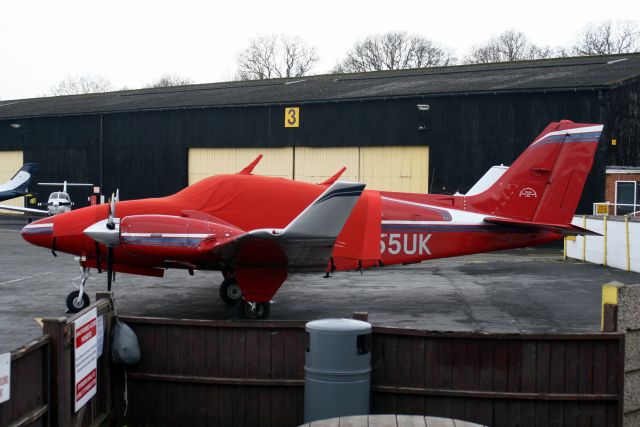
{"x":511,"y":45}
{"x":169,"y":80}
{"x":394,"y":51}
{"x":75,"y":85}
{"x":272,"y":56}
{"x":606,"y":39}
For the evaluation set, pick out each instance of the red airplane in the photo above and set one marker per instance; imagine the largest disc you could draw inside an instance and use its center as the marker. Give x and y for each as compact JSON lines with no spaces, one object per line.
{"x":256,"y":230}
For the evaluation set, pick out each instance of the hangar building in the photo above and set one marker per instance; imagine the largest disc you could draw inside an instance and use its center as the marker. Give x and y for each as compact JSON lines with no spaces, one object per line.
{"x":421,"y":130}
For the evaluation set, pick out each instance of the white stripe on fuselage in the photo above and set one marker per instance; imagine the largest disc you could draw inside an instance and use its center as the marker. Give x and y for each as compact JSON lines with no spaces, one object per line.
{"x":458,"y":217}
{"x":176,"y":235}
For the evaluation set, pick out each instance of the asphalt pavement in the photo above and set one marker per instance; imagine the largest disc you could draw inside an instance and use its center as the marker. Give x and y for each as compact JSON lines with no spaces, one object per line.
{"x":528,"y":290}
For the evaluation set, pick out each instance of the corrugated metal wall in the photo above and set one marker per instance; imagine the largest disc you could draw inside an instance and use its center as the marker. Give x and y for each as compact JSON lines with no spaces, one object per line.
{"x":10,"y":162}
{"x":381,"y":168}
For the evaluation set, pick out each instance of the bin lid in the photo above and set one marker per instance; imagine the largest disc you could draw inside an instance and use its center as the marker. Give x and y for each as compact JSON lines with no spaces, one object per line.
{"x":338,"y":326}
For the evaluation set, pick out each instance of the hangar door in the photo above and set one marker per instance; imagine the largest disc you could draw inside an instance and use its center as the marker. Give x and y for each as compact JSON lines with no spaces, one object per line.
{"x":10,"y":163}
{"x":395,"y":168}
{"x":204,"y":162}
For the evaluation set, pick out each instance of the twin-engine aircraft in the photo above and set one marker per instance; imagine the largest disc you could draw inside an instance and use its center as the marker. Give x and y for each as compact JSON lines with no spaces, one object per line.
{"x":256,"y":230}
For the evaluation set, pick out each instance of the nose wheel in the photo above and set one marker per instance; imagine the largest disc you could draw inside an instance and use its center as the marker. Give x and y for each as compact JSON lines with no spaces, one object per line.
{"x":79,"y":300}
{"x":252,"y":310}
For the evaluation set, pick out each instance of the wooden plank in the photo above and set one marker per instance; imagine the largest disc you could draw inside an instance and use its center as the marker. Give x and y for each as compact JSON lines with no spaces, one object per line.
{"x":445,"y":363}
{"x":225,"y":341}
{"x":404,"y":358}
{"x":585,"y":367}
{"x":495,"y":395}
{"x":431,"y":362}
{"x":529,"y":365}
{"x":384,"y":330}
{"x":514,"y":367}
{"x":556,"y":414}
{"x":212,"y":349}
{"x":458,"y":373}
{"x":600,"y":365}
{"x":556,"y":367}
{"x":418,"y":365}
{"x":571,"y":367}
{"x":280,"y":324}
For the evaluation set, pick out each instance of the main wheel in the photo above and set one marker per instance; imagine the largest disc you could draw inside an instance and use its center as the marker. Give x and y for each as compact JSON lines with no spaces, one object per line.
{"x":75,"y":304}
{"x":247,"y":311}
{"x":230,"y":291}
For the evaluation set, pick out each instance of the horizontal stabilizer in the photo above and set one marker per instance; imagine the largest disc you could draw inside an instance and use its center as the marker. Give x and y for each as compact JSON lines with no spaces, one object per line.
{"x":564,"y":229}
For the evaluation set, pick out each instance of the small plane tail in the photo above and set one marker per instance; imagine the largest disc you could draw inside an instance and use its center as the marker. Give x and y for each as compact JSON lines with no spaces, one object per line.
{"x":545,"y":183}
{"x":19,"y":183}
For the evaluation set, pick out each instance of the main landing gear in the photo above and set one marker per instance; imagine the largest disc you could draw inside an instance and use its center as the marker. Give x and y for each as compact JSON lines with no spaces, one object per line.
{"x":79,"y":300}
{"x":230,"y":291}
{"x":231,"y":294}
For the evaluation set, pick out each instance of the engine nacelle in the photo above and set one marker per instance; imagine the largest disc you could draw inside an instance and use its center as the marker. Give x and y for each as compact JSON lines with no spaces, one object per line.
{"x":173,"y":237}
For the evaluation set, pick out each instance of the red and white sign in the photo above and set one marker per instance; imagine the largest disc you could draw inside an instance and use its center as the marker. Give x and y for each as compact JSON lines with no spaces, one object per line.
{"x":85,"y":346}
{"x":5,"y":376}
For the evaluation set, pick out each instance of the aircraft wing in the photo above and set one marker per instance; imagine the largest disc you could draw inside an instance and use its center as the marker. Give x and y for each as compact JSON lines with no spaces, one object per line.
{"x":564,"y":229}
{"x":24,"y":210}
{"x":307,"y":242}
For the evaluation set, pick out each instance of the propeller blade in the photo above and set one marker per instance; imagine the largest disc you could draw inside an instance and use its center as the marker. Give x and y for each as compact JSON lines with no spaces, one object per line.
{"x":117,"y":194}
{"x":112,"y":212}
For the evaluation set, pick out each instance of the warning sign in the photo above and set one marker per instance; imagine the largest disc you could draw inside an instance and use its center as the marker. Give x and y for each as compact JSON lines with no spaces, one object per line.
{"x":85,"y":350}
{"x":5,"y":376}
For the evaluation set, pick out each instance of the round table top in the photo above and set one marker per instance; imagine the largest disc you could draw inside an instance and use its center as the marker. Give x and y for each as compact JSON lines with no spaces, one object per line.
{"x":390,"y":421}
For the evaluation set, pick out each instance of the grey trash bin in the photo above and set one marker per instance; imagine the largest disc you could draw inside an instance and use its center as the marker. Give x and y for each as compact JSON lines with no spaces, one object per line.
{"x":337,"y":369}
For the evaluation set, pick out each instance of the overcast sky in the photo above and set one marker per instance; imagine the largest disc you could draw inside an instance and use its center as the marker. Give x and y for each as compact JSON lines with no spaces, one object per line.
{"x":133,"y":42}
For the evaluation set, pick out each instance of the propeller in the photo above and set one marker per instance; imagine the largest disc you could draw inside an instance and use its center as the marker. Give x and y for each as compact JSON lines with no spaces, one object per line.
{"x":111,"y":225}
{"x":107,"y":232}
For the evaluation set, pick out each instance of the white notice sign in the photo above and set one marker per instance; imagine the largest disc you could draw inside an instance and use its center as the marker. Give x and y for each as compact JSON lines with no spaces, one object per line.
{"x":85,"y":346}
{"x":5,"y":376}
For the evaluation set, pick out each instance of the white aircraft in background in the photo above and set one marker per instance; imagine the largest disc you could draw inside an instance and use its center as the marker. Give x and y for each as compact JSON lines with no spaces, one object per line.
{"x":59,"y":201}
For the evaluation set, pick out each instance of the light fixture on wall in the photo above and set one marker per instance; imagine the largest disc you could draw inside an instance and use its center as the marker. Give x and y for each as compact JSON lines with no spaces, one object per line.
{"x":16,"y":125}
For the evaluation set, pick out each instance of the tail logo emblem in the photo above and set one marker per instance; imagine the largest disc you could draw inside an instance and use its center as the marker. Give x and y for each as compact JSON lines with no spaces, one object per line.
{"x":528,"y":193}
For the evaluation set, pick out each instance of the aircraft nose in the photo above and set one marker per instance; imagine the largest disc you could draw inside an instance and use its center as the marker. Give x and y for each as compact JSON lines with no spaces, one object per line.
{"x":39,"y":233}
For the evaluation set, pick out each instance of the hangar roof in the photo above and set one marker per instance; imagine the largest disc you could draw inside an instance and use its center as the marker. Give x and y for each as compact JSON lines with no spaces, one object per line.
{"x":559,"y":74}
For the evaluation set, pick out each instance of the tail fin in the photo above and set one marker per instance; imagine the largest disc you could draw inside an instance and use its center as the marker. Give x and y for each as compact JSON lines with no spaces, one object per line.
{"x":545,"y":183}
{"x":20,"y":181}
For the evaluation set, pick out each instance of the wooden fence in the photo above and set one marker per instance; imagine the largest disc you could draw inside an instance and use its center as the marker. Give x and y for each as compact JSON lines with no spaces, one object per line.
{"x":222,"y":373}
{"x":29,"y":402}
{"x":218,"y":373}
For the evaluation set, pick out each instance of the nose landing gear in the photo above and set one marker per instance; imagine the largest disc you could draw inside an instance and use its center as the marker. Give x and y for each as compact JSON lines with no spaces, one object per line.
{"x":79,"y":300}
{"x":252,"y":310}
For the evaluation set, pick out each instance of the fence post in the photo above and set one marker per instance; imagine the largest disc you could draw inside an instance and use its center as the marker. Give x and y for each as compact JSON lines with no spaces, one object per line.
{"x":628,"y":322}
{"x":60,"y":373}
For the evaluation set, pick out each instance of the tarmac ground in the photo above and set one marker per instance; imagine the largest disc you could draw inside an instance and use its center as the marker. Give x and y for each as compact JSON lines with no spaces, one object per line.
{"x":527,"y":290}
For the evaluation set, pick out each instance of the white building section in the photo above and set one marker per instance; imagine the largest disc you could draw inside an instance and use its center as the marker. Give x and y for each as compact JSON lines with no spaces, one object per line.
{"x":619,"y":245}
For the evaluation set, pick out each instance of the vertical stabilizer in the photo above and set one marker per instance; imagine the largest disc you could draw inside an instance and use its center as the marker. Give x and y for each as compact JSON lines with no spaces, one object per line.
{"x":545,"y":183}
